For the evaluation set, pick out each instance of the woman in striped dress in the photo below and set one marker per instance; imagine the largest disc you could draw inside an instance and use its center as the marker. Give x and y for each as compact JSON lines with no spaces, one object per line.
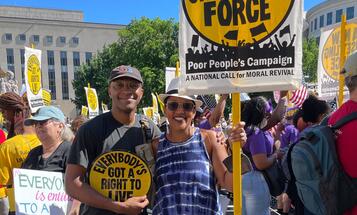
{"x":189,"y":161}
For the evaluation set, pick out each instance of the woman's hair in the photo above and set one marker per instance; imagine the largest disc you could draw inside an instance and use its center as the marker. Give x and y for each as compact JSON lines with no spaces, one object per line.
{"x":313,"y":109}
{"x":297,"y":115}
{"x":254,"y":111}
{"x":77,"y":122}
{"x":67,"y":134}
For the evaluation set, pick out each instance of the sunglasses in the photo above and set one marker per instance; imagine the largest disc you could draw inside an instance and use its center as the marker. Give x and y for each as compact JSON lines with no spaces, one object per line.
{"x":43,"y":122}
{"x":187,"y":106}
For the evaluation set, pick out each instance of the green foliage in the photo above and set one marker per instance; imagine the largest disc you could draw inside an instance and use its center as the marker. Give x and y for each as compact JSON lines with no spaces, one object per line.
{"x":150,"y":45}
{"x":309,"y":59}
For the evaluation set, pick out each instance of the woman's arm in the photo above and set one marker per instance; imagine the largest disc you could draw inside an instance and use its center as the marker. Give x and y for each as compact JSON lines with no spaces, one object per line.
{"x":262,"y":161}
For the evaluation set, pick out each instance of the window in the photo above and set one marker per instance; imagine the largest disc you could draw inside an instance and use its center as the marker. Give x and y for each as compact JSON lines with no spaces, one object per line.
{"x":10,"y":59}
{"x":50,"y":59}
{"x":338,"y":15}
{"x":322,"y":17}
{"x":22,"y":37}
{"x":350,"y":13}
{"x":22,"y":56}
{"x":8,"y":37}
{"x":62,"y":39}
{"x":315,"y":25}
{"x":63,"y":58}
{"x":75,"y":40}
{"x":49,"y":39}
{"x":52,"y":83}
{"x":329,"y":18}
{"x":76,"y":59}
{"x":65,"y":94}
{"x":88,"y":57}
{"x":311,"y":26}
{"x":10,"y":56}
{"x":36,"y":38}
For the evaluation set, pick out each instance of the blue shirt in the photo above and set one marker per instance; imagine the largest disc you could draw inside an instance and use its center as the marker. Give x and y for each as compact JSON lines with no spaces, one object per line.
{"x":185,"y":179}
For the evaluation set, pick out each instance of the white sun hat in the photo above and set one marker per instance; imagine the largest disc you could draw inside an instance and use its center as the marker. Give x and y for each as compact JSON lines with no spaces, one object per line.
{"x":172,"y":90}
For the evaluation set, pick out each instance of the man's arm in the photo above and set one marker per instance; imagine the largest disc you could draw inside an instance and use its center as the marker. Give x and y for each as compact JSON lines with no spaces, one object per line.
{"x":76,"y":188}
{"x":218,"y":111}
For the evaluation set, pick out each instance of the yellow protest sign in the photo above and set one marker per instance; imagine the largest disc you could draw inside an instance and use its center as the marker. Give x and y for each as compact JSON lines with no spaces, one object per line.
{"x":92,"y":99}
{"x":331,"y":49}
{"x":34,"y":74}
{"x":228,"y":21}
{"x":46,"y":95}
{"x":84,"y":111}
{"x":120,"y":175}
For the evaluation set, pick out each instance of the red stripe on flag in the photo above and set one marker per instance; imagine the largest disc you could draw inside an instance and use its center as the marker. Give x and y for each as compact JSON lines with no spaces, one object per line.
{"x":299,"y":96}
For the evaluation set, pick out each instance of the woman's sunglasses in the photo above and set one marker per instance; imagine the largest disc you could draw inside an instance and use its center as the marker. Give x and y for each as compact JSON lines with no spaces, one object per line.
{"x":187,"y":106}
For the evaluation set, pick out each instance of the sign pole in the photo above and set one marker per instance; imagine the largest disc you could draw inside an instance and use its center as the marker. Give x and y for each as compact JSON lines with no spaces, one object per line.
{"x":237,"y":177}
{"x":177,"y":71}
{"x":342,"y":60}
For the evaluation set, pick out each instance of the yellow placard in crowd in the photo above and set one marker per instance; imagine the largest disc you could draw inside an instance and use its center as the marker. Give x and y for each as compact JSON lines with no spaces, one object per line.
{"x":46,"y":95}
{"x":331,"y":49}
{"x":120,"y":175}
{"x":34,"y":74}
{"x":84,"y":111}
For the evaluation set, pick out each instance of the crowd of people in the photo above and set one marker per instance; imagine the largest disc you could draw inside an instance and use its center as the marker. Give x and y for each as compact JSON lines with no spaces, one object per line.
{"x":189,"y":149}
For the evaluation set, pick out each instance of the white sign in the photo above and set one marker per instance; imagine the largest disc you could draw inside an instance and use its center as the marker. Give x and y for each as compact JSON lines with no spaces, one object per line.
{"x":40,"y":192}
{"x":33,"y":78}
{"x":169,"y":75}
{"x":328,"y":69}
{"x":227,"y":46}
{"x":92,"y":100}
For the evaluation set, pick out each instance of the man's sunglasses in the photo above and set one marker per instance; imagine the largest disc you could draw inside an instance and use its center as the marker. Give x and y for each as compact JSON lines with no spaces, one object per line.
{"x":187,"y":106}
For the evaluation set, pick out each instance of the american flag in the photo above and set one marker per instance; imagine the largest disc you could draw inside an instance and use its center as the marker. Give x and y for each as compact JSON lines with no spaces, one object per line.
{"x":298,"y":97}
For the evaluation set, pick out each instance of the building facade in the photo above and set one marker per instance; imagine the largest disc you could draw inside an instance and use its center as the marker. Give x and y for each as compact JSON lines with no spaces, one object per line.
{"x":65,"y":40}
{"x":329,"y":13}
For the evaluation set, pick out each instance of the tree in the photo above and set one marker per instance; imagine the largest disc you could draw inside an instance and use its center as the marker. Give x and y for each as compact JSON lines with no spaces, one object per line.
{"x":309,"y":59}
{"x":147,"y":44}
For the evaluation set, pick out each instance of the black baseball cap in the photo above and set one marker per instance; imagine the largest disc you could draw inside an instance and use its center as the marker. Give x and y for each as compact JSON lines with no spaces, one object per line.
{"x":125,"y":71}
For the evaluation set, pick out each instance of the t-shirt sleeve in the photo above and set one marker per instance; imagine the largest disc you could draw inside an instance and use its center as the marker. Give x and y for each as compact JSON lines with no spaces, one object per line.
{"x":4,"y":166}
{"x":155,"y":130}
{"x":257,"y":144}
{"x":4,"y":172}
{"x":79,"y":153}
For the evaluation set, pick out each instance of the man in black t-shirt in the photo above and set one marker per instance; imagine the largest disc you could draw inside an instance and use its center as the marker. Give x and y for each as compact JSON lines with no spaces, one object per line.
{"x":119,"y":129}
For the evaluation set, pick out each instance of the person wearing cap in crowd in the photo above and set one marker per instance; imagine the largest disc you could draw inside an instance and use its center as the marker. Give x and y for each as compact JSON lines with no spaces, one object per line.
{"x":55,"y":136}
{"x":346,"y":139}
{"x":15,"y":149}
{"x":119,"y":129}
{"x":52,"y":155}
{"x":189,"y":161}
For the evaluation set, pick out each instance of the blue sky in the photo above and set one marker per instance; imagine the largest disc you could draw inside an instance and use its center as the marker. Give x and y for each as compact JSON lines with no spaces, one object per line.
{"x":117,"y":11}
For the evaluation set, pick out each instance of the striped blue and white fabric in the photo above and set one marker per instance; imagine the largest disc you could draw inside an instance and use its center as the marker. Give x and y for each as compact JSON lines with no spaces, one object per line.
{"x":185,"y":179}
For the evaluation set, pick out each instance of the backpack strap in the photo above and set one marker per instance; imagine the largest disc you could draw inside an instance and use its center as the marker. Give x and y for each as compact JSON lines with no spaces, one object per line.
{"x":288,"y":159}
{"x":345,"y":120}
{"x":145,"y":126}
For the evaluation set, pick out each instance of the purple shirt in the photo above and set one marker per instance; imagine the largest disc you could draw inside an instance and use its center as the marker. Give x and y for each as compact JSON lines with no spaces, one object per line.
{"x":289,"y":135}
{"x":204,"y":124}
{"x":258,"y":142}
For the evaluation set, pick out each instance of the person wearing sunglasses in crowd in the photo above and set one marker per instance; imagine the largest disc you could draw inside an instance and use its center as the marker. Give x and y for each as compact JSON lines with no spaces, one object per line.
{"x":189,"y":161}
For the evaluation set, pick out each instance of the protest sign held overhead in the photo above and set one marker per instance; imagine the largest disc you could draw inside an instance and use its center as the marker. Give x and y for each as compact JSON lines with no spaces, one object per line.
{"x":40,"y":192}
{"x":33,"y":78}
{"x":240,"y":46}
{"x":328,"y":69}
{"x":92,"y":101}
{"x":120,"y":175}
